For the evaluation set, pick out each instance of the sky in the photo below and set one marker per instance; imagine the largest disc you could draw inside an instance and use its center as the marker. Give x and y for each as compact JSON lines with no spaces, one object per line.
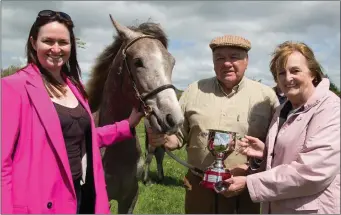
{"x":190,"y":26}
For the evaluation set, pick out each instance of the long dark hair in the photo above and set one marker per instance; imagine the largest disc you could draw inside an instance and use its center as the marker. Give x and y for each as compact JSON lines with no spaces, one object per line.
{"x":70,"y":69}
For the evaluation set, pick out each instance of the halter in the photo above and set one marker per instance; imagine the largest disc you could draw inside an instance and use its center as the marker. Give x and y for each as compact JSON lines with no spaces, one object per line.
{"x":142,"y":99}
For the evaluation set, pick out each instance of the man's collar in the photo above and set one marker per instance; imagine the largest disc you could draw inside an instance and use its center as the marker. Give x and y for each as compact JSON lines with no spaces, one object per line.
{"x":235,"y":89}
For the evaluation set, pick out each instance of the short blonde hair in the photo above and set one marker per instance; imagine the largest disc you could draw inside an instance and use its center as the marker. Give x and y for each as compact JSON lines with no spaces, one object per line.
{"x":284,"y":50}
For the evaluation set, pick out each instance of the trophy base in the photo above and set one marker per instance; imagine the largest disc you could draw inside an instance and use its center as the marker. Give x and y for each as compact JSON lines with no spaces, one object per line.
{"x":213,"y":179}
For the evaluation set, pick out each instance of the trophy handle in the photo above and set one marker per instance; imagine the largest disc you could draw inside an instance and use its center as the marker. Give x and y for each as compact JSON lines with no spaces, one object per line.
{"x":220,"y":186}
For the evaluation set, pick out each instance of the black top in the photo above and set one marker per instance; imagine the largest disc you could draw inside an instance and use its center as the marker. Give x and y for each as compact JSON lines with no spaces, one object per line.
{"x":74,"y":123}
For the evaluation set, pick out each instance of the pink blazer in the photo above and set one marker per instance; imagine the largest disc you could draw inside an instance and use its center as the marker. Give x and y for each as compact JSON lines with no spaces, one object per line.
{"x":303,"y":167}
{"x":35,"y":172}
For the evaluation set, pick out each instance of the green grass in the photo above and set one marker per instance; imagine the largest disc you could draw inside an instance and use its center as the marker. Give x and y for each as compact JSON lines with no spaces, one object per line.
{"x":167,"y":197}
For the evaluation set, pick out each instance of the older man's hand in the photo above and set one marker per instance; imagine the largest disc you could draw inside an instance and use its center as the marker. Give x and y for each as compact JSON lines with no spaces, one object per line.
{"x":170,"y":142}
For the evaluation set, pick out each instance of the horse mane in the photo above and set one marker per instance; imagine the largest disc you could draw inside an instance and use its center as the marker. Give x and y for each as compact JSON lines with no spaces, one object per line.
{"x":100,"y":70}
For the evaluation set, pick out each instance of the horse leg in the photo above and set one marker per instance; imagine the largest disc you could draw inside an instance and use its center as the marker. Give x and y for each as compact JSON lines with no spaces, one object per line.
{"x":121,"y":176}
{"x":140,"y":161}
{"x":149,"y":153}
{"x":159,"y":155}
{"x":127,"y":201}
{"x":149,"y":158}
{"x":123,"y":187}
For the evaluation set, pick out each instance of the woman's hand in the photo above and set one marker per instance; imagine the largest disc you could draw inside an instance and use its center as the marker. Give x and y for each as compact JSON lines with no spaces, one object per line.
{"x":135,"y":117}
{"x":234,"y":186}
{"x":251,"y":146}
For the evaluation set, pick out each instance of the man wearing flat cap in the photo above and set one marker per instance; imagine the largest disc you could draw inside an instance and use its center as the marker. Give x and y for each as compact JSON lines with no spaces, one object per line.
{"x":228,"y":101}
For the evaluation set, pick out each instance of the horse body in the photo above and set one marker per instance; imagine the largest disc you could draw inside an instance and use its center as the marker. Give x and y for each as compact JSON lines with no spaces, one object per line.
{"x":134,"y":71}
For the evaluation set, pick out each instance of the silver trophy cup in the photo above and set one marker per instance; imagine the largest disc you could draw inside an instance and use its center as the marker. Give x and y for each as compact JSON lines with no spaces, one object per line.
{"x":219,"y":144}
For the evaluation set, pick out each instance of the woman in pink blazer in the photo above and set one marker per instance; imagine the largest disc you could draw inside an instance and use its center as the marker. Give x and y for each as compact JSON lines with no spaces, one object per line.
{"x":301,"y":155}
{"x":50,"y":155}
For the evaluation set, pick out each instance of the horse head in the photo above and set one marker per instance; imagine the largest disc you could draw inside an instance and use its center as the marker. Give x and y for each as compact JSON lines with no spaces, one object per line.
{"x":148,"y":65}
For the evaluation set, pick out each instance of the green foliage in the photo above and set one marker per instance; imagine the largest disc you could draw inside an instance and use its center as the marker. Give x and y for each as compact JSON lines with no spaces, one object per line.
{"x":80,"y":43}
{"x":178,"y":93}
{"x":167,"y":197}
{"x":333,"y":87}
{"x":9,"y":71}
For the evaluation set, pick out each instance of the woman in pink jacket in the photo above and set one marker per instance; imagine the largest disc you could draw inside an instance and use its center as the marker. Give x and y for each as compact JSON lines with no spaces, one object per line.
{"x":50,"y":155}
{"x":301,"y":154}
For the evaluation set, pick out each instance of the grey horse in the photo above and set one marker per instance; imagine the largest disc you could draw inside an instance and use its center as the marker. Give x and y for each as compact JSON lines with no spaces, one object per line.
{"x":134,"y":70}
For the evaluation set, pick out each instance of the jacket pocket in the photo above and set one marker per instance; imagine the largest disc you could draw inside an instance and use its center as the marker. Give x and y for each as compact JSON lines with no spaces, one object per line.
{"x":18,"y":209}
{"x":309,"y":203}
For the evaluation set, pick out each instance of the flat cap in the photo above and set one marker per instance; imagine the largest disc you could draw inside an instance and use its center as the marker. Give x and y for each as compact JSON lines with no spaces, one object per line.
{"x":232,"y":41}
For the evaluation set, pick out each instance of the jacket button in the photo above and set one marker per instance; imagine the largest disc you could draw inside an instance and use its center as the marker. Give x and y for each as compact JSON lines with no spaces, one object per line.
{"x":49,"y":205}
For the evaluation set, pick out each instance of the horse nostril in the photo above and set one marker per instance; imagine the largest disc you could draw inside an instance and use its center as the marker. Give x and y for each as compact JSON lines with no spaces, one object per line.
{"x":170,"y":120}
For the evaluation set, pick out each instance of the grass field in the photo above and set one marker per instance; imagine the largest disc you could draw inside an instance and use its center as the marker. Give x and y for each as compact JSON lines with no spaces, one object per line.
{"x":167,"y":197}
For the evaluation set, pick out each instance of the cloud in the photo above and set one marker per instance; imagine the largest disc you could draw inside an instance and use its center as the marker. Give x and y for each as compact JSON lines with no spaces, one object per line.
{"x":190,"y":27}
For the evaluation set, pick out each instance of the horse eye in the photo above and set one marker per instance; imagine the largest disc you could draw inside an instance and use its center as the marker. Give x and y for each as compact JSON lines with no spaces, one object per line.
{"x":138,"y":62}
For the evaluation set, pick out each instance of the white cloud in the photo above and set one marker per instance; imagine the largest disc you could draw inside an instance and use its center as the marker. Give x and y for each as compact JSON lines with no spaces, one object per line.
{"x":265,"y":24}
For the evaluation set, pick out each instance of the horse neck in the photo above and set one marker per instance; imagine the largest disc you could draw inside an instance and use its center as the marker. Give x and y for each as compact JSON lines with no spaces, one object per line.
{"x":118,"y":98}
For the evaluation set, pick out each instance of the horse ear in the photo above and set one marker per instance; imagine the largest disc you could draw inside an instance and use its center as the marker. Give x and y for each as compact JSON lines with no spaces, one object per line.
{"x":123,"y":31}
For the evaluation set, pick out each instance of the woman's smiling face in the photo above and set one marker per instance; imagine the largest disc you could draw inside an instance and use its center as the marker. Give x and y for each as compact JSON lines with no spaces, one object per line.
{"x":53,"y":46}
{"x":295,"y":79}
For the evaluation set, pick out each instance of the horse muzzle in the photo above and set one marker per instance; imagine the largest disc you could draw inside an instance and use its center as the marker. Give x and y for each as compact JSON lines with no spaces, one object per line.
{"x":164,"y":123}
